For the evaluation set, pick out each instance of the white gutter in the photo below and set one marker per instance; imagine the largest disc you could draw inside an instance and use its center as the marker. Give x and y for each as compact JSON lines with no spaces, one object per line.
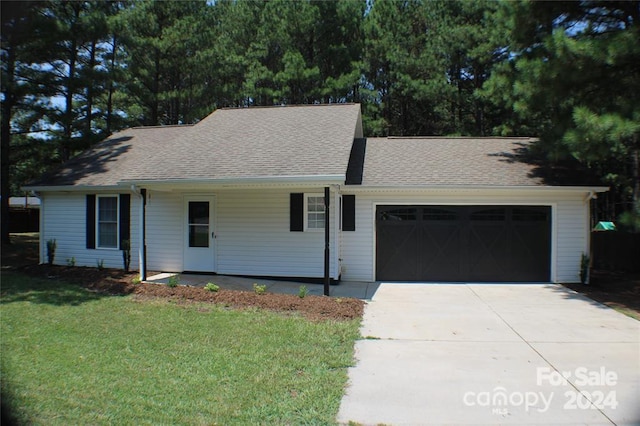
{"x":73,"y":188}
{"x":242,"y":181}
{"x":591,"y":189}
{"x":251,"y":180}
{"x":592,"y":195}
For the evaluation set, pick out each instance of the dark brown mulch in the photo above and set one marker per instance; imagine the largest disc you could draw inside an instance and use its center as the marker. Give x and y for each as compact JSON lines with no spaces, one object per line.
{"x":614,"y":289}
{"x":117,"y":282}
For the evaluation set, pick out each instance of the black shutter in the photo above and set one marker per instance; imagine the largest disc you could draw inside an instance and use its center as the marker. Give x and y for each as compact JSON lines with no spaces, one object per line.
{"x":296,"y":213}
{"x":348,"y":212}
{"x":91,"y":221}
{"x":125,"y":218}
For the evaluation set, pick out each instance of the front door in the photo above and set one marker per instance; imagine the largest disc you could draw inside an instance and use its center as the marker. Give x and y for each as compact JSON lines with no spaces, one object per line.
{"x":199,"y":235}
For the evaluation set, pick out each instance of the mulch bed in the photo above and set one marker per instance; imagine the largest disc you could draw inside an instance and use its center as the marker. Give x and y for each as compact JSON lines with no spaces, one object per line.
{"x":614,"y":289}
{"x":117,"y":282}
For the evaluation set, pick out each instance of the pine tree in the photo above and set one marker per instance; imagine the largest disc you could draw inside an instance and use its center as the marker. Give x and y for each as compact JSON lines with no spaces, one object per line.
{"x":573,"y":76}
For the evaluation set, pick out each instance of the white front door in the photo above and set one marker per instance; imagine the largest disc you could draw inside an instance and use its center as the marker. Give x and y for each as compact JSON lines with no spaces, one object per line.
{"x":199,"y":235}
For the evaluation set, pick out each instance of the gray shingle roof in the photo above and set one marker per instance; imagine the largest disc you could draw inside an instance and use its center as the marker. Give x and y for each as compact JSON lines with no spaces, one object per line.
{"x":114,"y":159}
{"x":397,"y":161}
{"x":311,"y":140}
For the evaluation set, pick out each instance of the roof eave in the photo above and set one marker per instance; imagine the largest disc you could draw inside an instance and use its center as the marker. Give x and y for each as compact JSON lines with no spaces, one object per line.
{"x":237,"y":182}
{"x":595,"y":189}
{"x":71,"y":188}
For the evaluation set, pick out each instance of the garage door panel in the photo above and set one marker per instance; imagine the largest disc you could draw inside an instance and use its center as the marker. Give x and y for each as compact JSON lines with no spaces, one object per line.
{"x":486,"y":249}
{"x":398,"y":253}
{"x":463,"y":243}
{"x":530,"y":250}
{"x":439,"y":244}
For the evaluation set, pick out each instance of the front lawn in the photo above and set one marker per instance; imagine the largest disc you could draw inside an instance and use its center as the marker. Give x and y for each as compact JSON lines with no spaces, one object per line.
{"x":71,"y":356}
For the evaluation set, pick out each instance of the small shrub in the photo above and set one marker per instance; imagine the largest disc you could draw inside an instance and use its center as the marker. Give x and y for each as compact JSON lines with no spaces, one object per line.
{"x":302,"y":291}
{"x":51,"y":251}
{"x":174,"y":280}
{"x":212,"y":287}
{"x":259,"y":289}
{"x":126,"y":254}
{"x":137,"y":280}
{"x":584,"y":268}
{"x":71,"y":262}
{"x":100,"y":264}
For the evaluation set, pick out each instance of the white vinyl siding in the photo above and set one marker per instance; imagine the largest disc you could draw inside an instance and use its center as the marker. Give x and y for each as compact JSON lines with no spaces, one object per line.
{"x":356,"y":250}
{"x":569,"y":226}
{"x":165,"y":231}
{"x":65,"y":221}
{"x":253,"y":237}
{"x":573,"y":233}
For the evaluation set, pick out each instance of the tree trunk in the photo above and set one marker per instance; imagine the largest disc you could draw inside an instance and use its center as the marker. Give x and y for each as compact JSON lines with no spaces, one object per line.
{"x":7,"y":107}
{"x":635,"y":172}
{"x":65,"y":148}
{"x":109,"y":117}
{"x":156,"y":91}
{"x":90,"y":91}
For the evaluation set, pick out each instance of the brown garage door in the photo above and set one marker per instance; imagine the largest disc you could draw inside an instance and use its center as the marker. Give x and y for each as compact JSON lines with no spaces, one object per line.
{"x":463,"y":243}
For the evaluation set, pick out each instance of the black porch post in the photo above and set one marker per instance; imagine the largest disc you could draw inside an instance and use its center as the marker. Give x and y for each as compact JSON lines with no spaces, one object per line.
{"x":143,"y":273}
{"x":326,"y":241}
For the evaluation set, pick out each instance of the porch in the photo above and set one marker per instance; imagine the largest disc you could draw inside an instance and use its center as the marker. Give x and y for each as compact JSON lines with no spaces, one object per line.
{"x":356,"y":289}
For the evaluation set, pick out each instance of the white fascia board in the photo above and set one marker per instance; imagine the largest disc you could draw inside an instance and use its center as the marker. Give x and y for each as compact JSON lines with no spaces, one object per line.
{"x":73,"y":188}
{"x":361,"y":188}
{"x":261,"y":181}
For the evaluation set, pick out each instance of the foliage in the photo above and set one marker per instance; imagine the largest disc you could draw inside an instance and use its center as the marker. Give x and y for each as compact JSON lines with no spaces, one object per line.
{"x":566,"y":72}
{"x":630,"y":220}
{"x":292,"y":372}
{"x":573,"y":79}
{"x":585,"y":264}
{"x":137,"y":280}
{"x":100,"y":264}
{"x":302,"y":291}
{"x":71,"y":261}
{"x":259,"y":289}
{"x":51,"y":250}
{"x":126,"y":254}
{"x":212,"y":287}
{"x":174,"y":280}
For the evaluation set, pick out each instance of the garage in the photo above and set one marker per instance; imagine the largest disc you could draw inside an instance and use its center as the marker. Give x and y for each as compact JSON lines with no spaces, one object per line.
{"x":488,"y":243}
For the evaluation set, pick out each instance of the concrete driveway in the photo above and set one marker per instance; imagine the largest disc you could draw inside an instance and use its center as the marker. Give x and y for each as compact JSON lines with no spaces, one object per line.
{"x":492,"y":354}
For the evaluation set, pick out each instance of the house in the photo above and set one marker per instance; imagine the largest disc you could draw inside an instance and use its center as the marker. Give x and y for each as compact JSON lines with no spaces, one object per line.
{"x":243,"y":193}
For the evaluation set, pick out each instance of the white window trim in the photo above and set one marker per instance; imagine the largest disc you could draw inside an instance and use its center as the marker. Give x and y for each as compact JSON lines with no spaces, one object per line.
{"x":306,"y":212}
{"x":117,"y":197}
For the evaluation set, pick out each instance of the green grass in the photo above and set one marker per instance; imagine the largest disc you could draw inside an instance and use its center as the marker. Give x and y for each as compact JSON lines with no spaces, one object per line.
{"x":70,"y":356}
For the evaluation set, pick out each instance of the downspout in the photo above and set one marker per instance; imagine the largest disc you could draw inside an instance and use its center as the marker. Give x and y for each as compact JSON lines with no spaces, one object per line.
{"x":142,"y":244}
{"x":41,"y":231}
{"x":326,"y":240}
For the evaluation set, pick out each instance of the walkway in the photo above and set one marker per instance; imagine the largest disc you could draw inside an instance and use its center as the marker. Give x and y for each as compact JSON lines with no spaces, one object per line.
{"x":356,"y":289}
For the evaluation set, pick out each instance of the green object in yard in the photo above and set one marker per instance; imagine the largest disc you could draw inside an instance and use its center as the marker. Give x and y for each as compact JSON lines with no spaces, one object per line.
{"x":605,"y":226}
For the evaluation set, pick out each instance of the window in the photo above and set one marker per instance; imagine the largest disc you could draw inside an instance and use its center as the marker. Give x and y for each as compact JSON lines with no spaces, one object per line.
{"x":430,"y":213}
{"x":530,"y":214}
{"x":198,"y":224}
{"x":107,"y":221}
{"x":403,"y":214}
{"x":314,"y":211}
{"x":497,"y":214}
